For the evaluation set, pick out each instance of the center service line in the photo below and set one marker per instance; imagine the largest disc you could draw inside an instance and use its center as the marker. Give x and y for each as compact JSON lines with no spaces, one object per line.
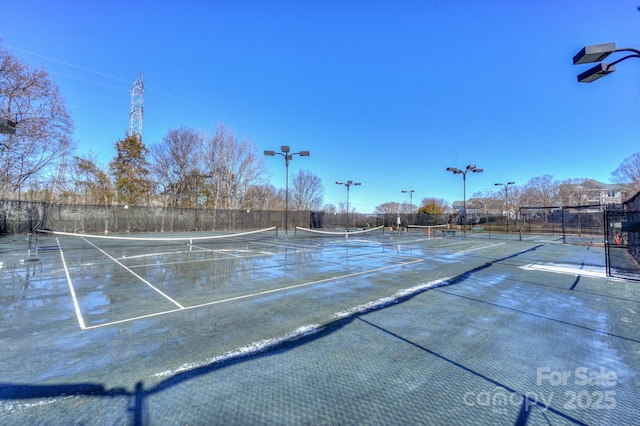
{"x":136,"y":275}
{"x":74,"y":298}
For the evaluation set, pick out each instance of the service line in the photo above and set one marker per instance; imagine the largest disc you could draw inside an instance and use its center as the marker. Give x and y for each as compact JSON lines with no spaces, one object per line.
{"x":479,"y":248}
{"x":247,"y":296}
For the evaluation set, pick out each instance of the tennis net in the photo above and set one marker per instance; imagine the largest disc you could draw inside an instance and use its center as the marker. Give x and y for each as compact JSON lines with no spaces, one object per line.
{"x":314,"y":233}
{"x":151,"y":240}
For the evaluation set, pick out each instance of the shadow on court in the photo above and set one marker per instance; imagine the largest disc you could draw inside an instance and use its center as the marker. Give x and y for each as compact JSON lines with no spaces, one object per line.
{"x":137,"y":409}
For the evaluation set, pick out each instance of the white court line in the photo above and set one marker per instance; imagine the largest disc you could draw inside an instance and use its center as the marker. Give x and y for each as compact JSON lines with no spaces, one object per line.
{"x":480,"y":248}
{"x":74,"y":298}
{"x":566,"y":269}
{"x":247,"y":296}
{"x":135,"y":275}
{"x":226,"y":252}
{"x":262,"y":345}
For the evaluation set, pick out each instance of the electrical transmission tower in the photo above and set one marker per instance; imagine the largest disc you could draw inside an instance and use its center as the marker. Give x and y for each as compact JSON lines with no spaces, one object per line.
{"x":136,"y":112}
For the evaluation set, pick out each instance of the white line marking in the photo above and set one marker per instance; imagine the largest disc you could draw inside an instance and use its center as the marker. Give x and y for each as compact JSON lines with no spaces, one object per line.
{"x":74,"y":298}
{"x":247,"y":296}
{"x":136,"y":275}
{"x":565,"y":269}
{"x":262,"y":345}
{"x":480,"y":248}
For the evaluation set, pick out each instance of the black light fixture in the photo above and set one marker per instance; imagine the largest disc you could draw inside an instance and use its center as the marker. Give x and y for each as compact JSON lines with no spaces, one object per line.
{"x":597,"y":53}
{"x":7,"y":126}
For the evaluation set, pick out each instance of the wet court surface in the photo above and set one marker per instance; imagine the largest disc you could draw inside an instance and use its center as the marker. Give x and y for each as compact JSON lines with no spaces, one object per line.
{"x":292,"y":331}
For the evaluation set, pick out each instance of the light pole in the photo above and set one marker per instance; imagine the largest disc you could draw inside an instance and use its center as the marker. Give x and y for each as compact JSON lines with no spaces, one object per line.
{"x":596,"y":53}
{"x":348,"y":185}
{"x":470,"y":168}
{"x":287,"y":155}
{"x":410,"y":191}
{"x":506,"y":199}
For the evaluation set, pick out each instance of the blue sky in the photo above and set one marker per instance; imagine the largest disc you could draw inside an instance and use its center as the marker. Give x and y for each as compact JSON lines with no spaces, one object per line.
{"x":389,"y":94}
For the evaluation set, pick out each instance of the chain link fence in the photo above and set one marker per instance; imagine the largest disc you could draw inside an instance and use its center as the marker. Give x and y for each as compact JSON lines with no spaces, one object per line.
{"x":20,"y":217}
{"x":622,"y":247}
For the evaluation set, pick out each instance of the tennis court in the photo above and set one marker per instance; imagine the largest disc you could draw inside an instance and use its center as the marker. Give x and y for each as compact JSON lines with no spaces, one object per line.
{"x":256,"y":328}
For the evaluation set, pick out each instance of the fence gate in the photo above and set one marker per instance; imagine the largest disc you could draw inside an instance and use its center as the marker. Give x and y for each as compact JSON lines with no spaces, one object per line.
{"x":622,"y":243}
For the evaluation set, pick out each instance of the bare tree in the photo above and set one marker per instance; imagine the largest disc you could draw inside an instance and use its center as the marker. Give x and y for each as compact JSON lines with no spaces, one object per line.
{"x":388,"y":208}
{"x":263,"y":197}
{"x":234,"y":165}
{"x":307,"y":192}
{"x":628,"y":174}
{"x":542,"y":191}
{"x":175,"y":166}
{"x":43,"y":125}
{"x":330,"y":208}
{"x":579,"y":192}
{"x":87,"y":183}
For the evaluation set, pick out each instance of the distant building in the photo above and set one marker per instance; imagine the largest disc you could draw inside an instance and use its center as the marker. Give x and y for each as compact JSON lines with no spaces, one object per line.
{"x":593,"y":192}
{"x":587,"y":193}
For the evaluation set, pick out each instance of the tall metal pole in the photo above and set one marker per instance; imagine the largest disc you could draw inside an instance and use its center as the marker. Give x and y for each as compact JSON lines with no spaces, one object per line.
{"x":464,"y":201}
{"x":410,"y":191}
{"x":285,"y":153}
{"x":470,"y":168}
{"x":348,"y":185}
{"x":506,"y":199}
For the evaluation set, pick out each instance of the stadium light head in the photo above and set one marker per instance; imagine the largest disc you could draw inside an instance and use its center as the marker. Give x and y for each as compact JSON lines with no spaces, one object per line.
{"x":594,"y":53}
{"x":338,"y":182}
{"x":596,"y":72}
{"x":477,"y":170}
{"x":270,"y":153}
{"x":285,"y":148}
{"x":454,"y":170}
{"x":471,"y":167}
{"x":304,"y":153}
{"x":7,"y":126}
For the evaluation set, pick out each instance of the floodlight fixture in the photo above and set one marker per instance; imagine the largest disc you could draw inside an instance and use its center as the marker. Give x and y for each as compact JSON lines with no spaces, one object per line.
{"x":596,"y":72}
{"x":597,"y":53}
{"x":7,"y":126}
{"x":270,"y":153}
{"x":594,"y":53}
